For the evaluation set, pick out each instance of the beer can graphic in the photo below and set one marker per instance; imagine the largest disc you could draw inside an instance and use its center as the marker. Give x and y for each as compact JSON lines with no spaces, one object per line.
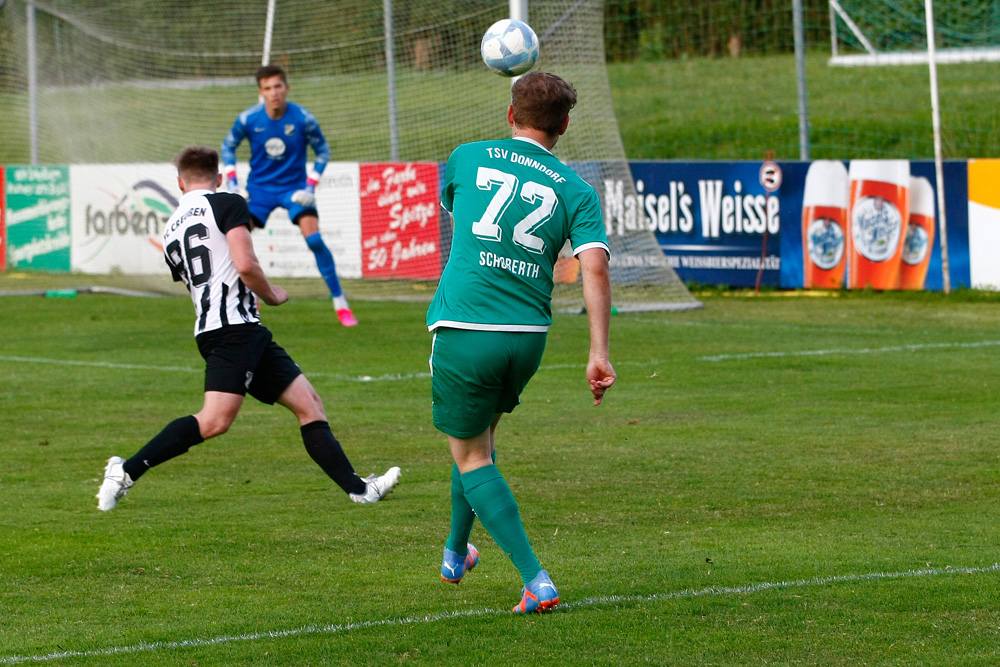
{"x":824,"y":225}
{"x":879,"y":209}
{"x":919,"y":239}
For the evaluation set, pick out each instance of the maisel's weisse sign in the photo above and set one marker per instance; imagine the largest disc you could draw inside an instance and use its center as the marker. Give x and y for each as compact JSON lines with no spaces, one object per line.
{"x":825,"y":224}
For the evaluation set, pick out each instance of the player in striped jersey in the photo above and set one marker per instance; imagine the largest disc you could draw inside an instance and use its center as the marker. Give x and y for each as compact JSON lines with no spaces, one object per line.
{"x":514,"y":205}
{"x":207,"y":245}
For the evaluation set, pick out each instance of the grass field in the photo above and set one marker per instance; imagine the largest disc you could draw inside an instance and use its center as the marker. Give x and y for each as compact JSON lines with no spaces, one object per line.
{"x":774,"y":479}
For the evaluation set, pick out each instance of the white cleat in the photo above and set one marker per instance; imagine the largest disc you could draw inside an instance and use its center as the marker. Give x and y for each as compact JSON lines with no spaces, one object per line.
{"x":116,"y":484}
{"x":378,"y":487}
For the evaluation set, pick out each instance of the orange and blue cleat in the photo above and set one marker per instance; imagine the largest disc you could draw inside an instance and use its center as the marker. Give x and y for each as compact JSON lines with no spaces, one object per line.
{"x":539,"y":595}
{"x":454,"y":567}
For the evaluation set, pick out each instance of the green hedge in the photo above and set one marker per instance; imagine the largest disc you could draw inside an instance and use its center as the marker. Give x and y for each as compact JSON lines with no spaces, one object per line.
{"x":653,"y":30}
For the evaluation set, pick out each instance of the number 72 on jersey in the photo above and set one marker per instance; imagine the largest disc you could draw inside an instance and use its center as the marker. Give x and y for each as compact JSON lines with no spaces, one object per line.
{"x":541,"y":196}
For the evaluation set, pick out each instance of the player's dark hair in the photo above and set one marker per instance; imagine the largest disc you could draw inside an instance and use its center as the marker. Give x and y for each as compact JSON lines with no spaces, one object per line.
{"x":197,"y":163}
{"x":542,"y":101}
{"x":267,"y":71}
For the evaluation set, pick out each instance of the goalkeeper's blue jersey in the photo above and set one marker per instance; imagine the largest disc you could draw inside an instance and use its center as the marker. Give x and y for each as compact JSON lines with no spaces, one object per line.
{"x":277,"y":147}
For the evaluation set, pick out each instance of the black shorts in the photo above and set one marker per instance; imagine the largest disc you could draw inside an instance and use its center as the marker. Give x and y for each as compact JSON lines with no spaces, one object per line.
{"x":244,"y":359}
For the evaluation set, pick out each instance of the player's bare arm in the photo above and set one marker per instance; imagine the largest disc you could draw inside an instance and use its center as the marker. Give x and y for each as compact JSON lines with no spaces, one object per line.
{"x":597,"y":296}
{"x":246,"y":262}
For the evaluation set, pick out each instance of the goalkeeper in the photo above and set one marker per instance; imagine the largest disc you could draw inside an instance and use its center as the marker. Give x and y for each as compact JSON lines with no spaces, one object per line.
{"x":279,"y":132}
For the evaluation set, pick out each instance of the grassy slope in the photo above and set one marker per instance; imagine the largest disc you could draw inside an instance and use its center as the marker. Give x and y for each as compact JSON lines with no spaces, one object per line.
{"x":739,"y":108}
{"x":719,"y":108}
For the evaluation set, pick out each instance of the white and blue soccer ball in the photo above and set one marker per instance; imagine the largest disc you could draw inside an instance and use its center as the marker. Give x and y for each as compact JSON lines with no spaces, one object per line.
{"x":510,"y":47}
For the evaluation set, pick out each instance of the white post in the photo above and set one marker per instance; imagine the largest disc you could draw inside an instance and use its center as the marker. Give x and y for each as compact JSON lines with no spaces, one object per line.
{"x":390,"y":74}
{"x":833,"y":32}
{"x":519,"y":10}
{"x":835,"y":6}
{"x":938,"y":164}
{"x":268,"y":33}
{"x":265,"y":59}
{"x":32,"y":83}
{"x":800,"y":78}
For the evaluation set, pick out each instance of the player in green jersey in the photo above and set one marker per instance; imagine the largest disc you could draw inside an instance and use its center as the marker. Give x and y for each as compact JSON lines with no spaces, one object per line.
{"x":514,"y":206}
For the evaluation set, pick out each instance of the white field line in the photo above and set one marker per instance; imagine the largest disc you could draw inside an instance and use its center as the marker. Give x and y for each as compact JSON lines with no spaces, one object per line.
{"x":820,"y":328}
{"x":385,"y":377}
{"x":188,"y":369}
{"x":395,"y":377}
{"x":839,"y":351}
{"x":341,"y":628}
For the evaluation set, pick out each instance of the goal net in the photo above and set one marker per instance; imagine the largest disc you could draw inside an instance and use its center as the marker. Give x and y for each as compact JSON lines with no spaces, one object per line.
{"x":133,"y":81}
{"x":893,"y":32}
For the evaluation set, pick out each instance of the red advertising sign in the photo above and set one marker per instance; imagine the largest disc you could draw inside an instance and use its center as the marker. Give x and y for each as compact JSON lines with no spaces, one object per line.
{"x":3,"y":211}
{"x":400,"y":221}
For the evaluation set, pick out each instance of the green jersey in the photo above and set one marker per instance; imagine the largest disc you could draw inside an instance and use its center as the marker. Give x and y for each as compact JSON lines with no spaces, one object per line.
{"x":514,"y":206}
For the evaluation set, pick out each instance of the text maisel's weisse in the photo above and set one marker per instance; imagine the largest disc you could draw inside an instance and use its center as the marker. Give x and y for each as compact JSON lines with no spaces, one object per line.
{"x":720,"y":213}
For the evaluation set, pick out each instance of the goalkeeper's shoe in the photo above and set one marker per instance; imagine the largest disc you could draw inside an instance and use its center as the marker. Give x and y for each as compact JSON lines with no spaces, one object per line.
{"x":378,"y":487}
{"x":115,"y":485}
{"x":454,"y":567}
{"x":539,"y":595}
{"x":346,"y":317}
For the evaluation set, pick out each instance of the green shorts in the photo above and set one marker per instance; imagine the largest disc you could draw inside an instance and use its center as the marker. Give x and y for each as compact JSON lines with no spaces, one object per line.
{"x":476,"y":374}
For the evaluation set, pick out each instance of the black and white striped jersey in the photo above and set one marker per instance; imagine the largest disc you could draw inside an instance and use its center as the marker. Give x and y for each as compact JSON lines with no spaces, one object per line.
{"x":196,"y":250}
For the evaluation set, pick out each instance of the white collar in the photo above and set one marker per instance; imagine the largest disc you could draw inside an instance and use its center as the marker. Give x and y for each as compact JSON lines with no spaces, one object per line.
{"x":532,"y":141}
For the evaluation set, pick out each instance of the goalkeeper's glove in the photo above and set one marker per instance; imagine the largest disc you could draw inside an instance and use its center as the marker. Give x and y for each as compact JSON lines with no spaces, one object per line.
{"x":307,"y":195}
{"x":233,"y":185}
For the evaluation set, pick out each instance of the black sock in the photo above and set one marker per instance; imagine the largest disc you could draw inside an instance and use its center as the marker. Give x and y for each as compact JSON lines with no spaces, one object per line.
{"x":175,"y":439}
{"x":326,"y":451}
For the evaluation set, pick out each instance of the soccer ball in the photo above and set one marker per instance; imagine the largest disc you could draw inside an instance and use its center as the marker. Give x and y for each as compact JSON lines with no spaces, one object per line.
{"x":509,"y":47}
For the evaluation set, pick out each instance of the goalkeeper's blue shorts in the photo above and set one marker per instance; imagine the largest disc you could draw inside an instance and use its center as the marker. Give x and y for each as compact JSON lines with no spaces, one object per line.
{"x":264,"y":200}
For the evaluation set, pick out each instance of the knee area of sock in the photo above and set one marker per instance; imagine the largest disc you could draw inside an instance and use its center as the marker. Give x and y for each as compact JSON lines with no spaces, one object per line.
{"x":480,"y":476}
{"x":315,"y":241}
{"x":500,"y":508}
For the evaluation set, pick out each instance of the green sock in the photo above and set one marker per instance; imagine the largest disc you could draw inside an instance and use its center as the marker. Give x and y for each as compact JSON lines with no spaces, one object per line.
{"x":462,"y":515}
{"x":490,"y":497}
